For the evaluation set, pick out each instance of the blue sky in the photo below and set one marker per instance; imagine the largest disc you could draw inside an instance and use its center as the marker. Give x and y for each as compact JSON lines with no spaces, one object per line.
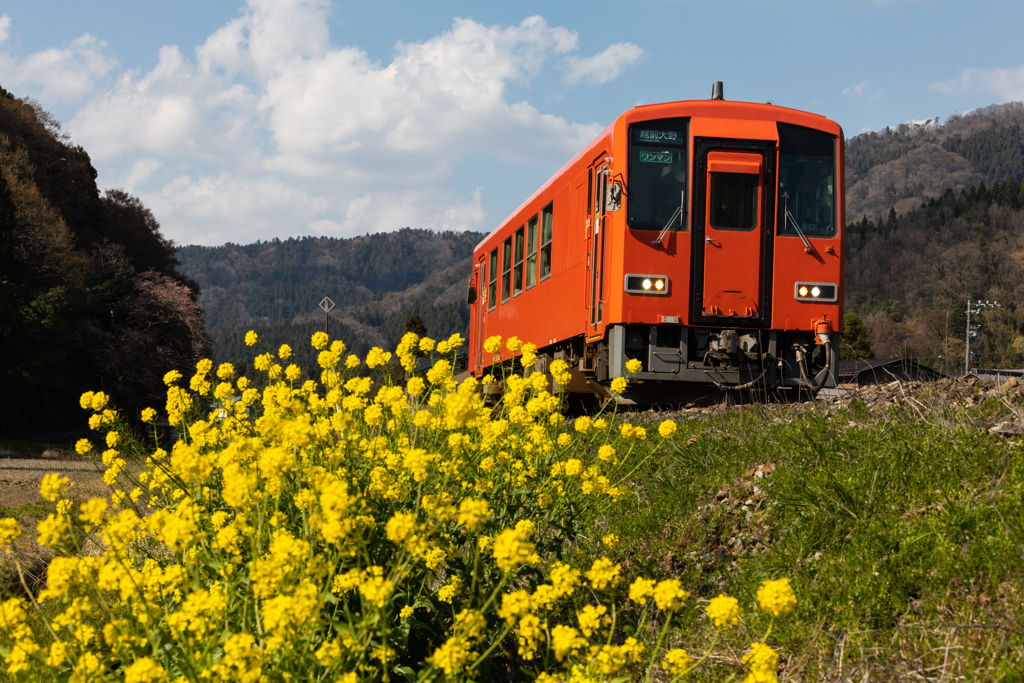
{"x":239,"y":121}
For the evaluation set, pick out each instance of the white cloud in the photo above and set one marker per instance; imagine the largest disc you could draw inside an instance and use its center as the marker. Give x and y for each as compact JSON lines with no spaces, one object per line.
{"x":863,"y":90}
{"x":857,"y":90}
{"x":270,"y":130}
{"x":67,"y":73}
{"x":1007,"y":84}
{"x":604,"y":66}
{"x":141,"y":171}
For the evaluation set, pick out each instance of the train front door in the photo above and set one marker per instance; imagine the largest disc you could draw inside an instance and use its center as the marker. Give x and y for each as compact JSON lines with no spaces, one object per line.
{"x":596,"y":243}
{"x":482,"y":302}
{"x":733,"y":238}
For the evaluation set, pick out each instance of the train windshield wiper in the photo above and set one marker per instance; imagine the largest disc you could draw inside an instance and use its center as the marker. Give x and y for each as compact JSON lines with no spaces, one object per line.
{"x":790,"y":218}
{"x":672,"y":219}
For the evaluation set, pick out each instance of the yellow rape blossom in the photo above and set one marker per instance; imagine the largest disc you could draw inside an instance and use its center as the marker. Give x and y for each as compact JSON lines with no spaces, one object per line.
{"x":145,"y":670}
{"x":377,"y":357}
{"x":52,"y":529}
{"x":560,"y":371}
{"x":9,"y":531}
{"x":592,"y":618}
{"x":53,"y":485}
{"x":603,"y":573}
{"x":566,"y":640}
{"x":676,"y":662}
{"x":669,"y":594}
{"x":776,"y":597}
{"x":641,"y":590}
{"x":400,"y":526}
{"x":511,"y":549}
{"x":724,"y":611}
{"x":472,"y":513}
{"x":762,"y":663}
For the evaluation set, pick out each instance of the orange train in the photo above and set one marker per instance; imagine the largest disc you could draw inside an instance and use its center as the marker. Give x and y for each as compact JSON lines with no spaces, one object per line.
{"x":703,"y":238}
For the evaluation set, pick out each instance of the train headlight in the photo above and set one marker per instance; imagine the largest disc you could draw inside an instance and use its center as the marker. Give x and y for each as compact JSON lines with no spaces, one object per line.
{"x":816,"y":291}
{"x":646,"y":284}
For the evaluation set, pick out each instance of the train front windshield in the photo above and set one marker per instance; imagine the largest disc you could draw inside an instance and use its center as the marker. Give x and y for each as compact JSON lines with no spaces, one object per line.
{"x":807,"y":174}
{"x":657,"y":175}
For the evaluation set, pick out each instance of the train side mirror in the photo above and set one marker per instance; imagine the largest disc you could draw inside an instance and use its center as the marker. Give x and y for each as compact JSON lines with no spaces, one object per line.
{"x":471,"y":297}
{"x":613,"y":197}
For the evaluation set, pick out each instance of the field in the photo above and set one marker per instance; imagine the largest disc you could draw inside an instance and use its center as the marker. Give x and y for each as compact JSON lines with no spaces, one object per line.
{"x":896,"y":514}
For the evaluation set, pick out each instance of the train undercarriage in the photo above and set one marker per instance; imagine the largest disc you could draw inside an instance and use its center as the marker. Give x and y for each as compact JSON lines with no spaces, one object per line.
{"x":684,"y":365}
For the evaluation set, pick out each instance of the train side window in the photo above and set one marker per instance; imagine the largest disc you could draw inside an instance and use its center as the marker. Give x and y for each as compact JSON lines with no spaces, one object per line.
{"x":517,"y":271}
{"x":492,"y":287}
{"x":506,"y":270}
{"x":531,"y":252}
{"x":546,"y":230}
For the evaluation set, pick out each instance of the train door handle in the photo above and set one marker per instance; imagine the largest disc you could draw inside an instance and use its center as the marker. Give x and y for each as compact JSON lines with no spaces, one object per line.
{"x":711,"y":240}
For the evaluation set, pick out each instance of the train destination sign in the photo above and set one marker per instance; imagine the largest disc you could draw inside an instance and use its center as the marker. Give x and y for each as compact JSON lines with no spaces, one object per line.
{"x":656,"y":157}
{"x":658,"y":136}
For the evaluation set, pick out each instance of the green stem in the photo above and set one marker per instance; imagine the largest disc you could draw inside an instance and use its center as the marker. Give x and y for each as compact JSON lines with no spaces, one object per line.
{"x":32,"y":599}
{"x":505,"y":632}
{"x":657,"y":647}
{"x":700,"y":661}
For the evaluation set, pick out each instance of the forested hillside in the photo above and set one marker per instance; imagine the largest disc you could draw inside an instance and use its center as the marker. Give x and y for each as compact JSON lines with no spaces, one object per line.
{"x":909,"y":277}
{"x":377,"y":282}
{"x":902,"y":166}
{"x":90,"y":298}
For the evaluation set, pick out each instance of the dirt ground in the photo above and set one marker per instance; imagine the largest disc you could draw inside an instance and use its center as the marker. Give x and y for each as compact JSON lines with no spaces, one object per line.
{"x":19,"y":480}
{"x":22,"y":467}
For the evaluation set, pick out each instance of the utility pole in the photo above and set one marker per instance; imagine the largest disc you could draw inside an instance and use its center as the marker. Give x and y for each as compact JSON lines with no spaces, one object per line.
{"x":967,"y":342}
{"x":972,"y":330}
{"x":327,"y":305}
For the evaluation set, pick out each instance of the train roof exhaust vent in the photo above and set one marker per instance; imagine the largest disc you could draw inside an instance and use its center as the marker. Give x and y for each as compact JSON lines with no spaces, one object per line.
{"x":717,"y":91}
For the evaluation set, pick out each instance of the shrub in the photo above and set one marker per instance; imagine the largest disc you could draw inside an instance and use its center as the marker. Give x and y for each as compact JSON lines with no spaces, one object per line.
{"x":339,"y":531}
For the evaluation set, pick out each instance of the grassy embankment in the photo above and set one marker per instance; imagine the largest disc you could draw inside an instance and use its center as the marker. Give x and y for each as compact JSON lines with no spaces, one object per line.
{"x":901,"y":527}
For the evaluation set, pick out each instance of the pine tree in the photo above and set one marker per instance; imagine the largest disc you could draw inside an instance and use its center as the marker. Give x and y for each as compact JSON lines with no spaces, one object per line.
{"x":856,"y":343}
{"x":1008,"y":193}
{"x":414,"y":324}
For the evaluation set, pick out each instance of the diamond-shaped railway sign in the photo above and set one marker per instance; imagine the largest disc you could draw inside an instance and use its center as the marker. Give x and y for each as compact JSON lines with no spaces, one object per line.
{"x":327,"y":304}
